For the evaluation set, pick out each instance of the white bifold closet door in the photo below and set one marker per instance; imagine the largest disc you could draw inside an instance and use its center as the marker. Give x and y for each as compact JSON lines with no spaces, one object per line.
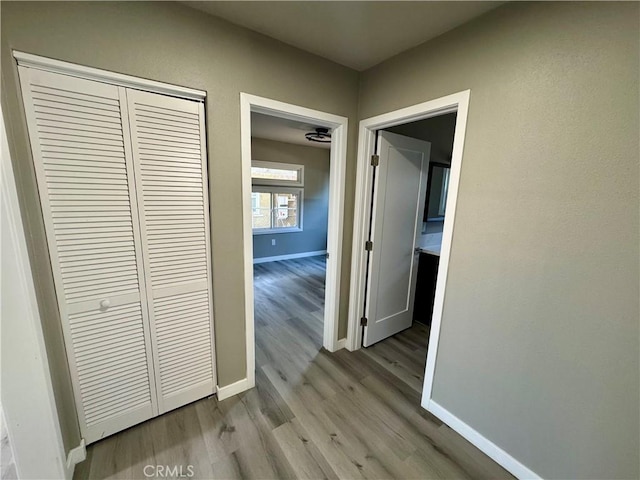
{"x":170,"y":161}
{"x":122,"y":181}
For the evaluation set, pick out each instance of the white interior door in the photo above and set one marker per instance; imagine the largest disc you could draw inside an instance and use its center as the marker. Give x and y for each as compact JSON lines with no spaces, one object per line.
{"x":398,"y":207}
{"x":171,"y":184}
{"x":82,"y":155}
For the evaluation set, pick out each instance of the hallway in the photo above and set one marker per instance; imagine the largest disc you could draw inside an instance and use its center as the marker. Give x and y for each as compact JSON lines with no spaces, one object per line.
{"x":314,"y":414}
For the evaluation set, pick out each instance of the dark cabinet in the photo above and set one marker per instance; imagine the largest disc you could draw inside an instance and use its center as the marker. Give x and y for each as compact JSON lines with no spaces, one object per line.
{"x":425,"y":288}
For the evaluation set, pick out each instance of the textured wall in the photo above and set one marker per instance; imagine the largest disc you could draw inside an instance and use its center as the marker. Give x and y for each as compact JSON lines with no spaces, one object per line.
{"x":175,"y":44}
{"x":539,"y":343}
{"x":315,"y":204}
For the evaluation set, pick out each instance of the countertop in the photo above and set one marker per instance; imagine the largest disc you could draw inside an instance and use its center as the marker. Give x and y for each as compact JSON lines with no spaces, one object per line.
{"x":430,"y":249}
{"x":430,"y":243}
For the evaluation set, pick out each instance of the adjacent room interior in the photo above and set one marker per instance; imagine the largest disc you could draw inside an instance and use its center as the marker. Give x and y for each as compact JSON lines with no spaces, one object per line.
{"x":439,"y":132}
{"x":290,"y":172}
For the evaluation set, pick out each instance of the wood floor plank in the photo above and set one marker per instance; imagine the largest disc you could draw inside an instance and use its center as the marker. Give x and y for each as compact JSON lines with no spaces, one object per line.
{"x":398,"y":356}
{"x":314,"y":451}
{"x":228,"y":468}
{"x":324,"y":433}
{"x":188,"y":446}
{"x":103,"y":463}
{"x":133,"y":452}
{"x":217,"y":433}
{"x":411,"y":378}
{"x":313,"y":413}
{"x":271,"y":403}
{"x":372,"y":432}
{"x":402,"y":405}
{"x":371,"y":455}
{"x":304,"y":456}
{"x":433,"y":458}
{"x":415,"y":356}
{"x":278,"y":460}
{"x":255,"y":456}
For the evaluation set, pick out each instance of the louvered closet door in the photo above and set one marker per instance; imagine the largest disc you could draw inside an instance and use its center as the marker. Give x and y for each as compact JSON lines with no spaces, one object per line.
{"x":170,"y":161}
{"x":81,"y":148}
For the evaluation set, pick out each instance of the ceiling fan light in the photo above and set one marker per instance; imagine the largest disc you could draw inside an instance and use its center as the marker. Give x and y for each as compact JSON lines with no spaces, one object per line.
{"x":320,"y":135}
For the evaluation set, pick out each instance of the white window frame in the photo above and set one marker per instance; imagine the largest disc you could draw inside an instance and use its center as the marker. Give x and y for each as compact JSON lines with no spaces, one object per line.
{"x":254,"y":207}
{"x":274,"y":185}
{"x":276,"y":189}
{"x":279,"y":166}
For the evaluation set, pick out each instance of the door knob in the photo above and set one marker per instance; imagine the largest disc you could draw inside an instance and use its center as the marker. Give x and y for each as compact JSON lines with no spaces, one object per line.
{"x":105,"y":303}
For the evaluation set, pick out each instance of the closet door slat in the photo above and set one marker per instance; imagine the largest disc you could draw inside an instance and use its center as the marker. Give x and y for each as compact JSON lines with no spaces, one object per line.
{"x":171,"y":185}
{"x":79,"y":132}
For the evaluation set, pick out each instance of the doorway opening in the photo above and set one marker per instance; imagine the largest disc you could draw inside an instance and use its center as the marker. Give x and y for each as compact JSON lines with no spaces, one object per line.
{"x":404,"y":219}
{"x":292,"y":218}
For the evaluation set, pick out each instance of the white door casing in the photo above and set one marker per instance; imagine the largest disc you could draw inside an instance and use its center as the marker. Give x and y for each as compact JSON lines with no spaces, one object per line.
{"x":339,"y":125}
{"x":398,"y":206}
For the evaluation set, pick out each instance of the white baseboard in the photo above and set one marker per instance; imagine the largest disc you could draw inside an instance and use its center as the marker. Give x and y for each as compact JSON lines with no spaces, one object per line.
{"x":76,"y":455}
{"x":484,"y":444}
{"x":337,"y":345}
{"x":289,"y":256}
{"x":233,"y":389}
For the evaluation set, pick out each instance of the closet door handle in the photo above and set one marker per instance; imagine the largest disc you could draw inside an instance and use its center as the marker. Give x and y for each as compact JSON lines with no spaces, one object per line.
{"x":104,"y":304}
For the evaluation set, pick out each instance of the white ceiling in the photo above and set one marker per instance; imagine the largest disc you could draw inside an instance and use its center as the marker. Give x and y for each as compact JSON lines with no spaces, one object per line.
{"x":358,"y":34}
{"x":283,"y":130}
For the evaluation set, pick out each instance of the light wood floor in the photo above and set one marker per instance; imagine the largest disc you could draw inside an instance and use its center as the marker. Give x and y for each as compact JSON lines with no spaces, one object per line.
{"x":313,"y":414}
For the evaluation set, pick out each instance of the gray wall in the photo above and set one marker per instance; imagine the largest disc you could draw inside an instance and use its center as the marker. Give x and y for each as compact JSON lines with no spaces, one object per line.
{"x":315,"y":204}
{"x":176,"y":44}
{"x":539,"y":344}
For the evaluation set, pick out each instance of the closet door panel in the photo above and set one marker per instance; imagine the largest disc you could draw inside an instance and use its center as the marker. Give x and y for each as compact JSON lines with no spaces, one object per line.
{"x":82,"y":153}
{"x":171,"y":175}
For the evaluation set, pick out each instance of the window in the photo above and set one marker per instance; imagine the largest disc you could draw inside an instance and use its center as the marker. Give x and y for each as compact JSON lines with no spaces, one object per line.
{"x":281,"y":174}
{"x":276,"y":197}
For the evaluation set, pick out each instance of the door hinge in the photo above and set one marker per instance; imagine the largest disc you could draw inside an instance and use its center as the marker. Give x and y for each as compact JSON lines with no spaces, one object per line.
{"x":375,"y":160}
{"x":368,"y":245}
{"x":364,"y":321}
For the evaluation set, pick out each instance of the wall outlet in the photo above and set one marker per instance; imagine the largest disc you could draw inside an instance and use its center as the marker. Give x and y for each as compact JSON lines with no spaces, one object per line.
{"x":273,"y":242}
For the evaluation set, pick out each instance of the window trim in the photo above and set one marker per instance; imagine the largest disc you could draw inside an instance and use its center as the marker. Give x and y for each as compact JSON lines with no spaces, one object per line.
{"x":279,"y":166}
{"x":278,"y":189}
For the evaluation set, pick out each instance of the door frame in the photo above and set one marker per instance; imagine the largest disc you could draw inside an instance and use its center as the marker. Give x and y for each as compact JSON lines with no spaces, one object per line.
{"x":456,"y":102}
{"x":338,"y":161}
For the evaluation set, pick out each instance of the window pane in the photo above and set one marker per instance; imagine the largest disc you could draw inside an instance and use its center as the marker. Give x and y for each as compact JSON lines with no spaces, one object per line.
{"x":275,"y":174}
{"x":261,"y":209}
{"x":273,"y":211}
{"x":286,"y":210}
